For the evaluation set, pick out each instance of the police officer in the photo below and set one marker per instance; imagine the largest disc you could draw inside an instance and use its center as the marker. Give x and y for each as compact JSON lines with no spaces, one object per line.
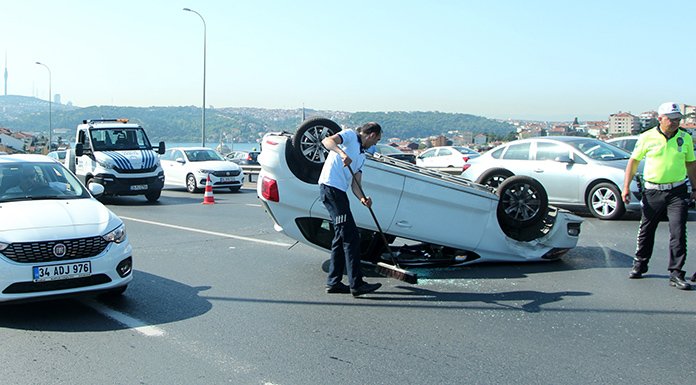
{"x":346,"y":149}
{"x":669,"y":157}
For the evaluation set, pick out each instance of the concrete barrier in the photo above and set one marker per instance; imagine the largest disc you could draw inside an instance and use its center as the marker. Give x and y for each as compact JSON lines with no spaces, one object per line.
{"x":252,"y":172}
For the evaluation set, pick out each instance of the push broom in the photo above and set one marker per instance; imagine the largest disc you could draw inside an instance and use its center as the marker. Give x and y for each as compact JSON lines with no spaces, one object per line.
{"x":385,"y":269}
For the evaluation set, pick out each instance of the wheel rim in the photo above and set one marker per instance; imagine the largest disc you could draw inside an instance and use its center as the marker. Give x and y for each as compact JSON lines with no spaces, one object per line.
{"x":310,"y":144}
{"x":521,"y":202}
{"x":191,"y":184}
{"x":604,"y":202}
{"x":494,"y":181}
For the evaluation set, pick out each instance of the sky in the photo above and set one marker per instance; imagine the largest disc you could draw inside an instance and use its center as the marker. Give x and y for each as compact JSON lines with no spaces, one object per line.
{"x":532,"y":59}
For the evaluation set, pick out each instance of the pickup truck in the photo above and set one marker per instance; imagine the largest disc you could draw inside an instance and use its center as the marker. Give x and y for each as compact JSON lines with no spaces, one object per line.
{"x":428,"y":217}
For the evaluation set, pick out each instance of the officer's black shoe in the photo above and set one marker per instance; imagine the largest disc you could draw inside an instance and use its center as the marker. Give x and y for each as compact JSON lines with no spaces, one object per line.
{"x":693,"y":278}
{"x":679,"y":282}
{"x":365,"y":288}
{"x":339,"y":288}
{"x":638,"y":270}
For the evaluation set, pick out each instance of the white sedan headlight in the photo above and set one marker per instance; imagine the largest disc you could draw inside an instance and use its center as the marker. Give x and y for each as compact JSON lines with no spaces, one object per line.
{"x":205,"y":172}
{"x":118,"y":235}
{"x":3,"y":246}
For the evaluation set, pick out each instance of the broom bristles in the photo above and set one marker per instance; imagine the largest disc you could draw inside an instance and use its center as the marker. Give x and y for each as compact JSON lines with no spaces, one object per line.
{"x":391,"y":271}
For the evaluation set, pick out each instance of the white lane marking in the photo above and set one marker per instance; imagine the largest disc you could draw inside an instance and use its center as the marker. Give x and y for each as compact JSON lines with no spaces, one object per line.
{"x":253,"y":204}
{"x":126,"y":320}
{"x":207,"y":232}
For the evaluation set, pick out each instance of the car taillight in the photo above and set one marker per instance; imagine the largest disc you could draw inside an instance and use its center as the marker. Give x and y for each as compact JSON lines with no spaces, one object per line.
{"x":248,"y":156}
{"x":466,"y":159}
{"x":465,"y":167}
{"x":269,"y":189}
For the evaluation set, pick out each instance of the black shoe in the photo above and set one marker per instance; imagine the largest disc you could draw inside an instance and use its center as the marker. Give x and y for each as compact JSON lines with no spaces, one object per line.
{"x":365,"y":288}
{"x":339,"y":288}
{"x":693,"y":278}
{"x":638,"y":271}
{"x":679,"y":282}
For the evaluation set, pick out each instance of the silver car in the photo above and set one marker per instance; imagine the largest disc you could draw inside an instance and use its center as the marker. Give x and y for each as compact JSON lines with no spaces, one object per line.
{"x":576,"y":172}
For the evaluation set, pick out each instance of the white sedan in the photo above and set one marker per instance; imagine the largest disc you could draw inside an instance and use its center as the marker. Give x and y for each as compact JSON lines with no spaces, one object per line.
{"x":445,"y":157}
{"x":56,"y":239}
{"x":451,"y":220}
{"x":190,"y":167}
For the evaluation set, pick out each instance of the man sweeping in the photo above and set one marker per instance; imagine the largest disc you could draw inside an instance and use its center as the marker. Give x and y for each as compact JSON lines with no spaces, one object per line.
{"x":346,"y":149}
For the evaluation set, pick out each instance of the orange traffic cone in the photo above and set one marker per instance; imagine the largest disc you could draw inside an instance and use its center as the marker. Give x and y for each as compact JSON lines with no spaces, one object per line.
{"x":208,"y":198}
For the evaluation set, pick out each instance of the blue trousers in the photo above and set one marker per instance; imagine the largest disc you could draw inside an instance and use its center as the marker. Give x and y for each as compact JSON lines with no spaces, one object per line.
{"x":345,"y":247}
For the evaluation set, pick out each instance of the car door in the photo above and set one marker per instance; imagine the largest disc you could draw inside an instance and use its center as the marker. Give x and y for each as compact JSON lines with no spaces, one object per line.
{"x":175,"y":172}
{"x":553,"y":164}
{"x":427,"y":158}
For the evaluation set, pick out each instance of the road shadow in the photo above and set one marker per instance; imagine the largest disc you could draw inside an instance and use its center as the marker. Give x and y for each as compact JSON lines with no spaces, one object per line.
{"x":579,"y":258}
{"x":530,"y":301}
{"x":152,"y":299}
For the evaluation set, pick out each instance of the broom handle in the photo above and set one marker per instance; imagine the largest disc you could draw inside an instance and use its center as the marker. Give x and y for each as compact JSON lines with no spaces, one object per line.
{"x":386,"y":244}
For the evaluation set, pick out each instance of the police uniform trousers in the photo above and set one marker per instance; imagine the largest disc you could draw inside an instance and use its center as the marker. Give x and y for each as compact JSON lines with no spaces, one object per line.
{"x":345,"y":247}
{"x":655,"y":204}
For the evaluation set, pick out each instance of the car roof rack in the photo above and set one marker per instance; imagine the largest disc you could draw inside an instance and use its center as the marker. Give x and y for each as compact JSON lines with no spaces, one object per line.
{"x":120,"y":120}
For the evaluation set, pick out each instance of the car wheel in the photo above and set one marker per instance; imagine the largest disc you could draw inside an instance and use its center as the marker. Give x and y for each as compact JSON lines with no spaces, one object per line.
{"x":494,"y":177}
{"x":153,"y":195}
{"x":604,"y":201}
{"x":523,"y":202}
{"x":307,"y":154}
{"x":191,"y":184}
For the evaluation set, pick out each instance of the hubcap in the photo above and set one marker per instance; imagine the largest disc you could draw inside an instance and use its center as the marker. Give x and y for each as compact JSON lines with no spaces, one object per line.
{"x":521,"y":202}
{"x":604,"y":202}
{"x":311,"y":146}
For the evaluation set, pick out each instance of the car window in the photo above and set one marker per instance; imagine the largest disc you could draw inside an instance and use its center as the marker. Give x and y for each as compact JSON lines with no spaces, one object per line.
{"x":428,"y":154}
{"x":598,"y":150}
{"x":519,"y":151}
{"x":465,"y":150}
{"x":497,"y":153}
{"x":178,"y":154}
{"x":444,"y":152}
{"x":31,"y":181}
{"x":550,"y":151}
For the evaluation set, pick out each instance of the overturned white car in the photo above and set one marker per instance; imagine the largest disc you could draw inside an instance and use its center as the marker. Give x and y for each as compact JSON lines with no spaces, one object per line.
{"x":428,"y":217}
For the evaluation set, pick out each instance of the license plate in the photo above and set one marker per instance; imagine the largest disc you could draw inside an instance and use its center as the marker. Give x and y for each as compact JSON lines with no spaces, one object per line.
{"x":63,"y":271}
{"x":138,"y":187}
{"x":226,"y":179}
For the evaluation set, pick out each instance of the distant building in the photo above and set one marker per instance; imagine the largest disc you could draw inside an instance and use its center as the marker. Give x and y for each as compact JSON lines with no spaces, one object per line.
{"x":689,"y":113}
{"x":480,"y":139}
{"x":647,"y":119}
{"x":623,"y":123}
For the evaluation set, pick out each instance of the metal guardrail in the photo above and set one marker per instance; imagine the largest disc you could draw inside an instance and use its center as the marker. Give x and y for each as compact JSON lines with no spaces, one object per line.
{"x":251,"y":171}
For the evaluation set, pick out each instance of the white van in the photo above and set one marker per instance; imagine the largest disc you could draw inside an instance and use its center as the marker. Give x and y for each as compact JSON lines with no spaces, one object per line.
{"x":118,"y":155}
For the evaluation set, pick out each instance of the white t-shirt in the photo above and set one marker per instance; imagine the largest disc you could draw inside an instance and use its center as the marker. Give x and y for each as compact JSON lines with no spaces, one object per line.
{"x":333,"y":173}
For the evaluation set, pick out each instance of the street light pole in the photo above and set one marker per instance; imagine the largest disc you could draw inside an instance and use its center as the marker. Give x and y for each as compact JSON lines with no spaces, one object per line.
{"x":50,"y":128}
{"x":204,"y":55}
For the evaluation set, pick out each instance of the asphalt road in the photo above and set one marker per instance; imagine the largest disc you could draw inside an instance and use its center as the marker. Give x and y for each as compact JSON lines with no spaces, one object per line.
{"x":220,"y":298}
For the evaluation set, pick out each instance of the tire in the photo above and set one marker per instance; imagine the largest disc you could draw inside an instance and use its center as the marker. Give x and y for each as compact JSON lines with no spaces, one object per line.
{"x":153,"y":195}
{"x":494,"y":177}
{"x":307,"y":141}
{"x":523,"y":202}
{"x":604,"y":202}
{"x":306,"y":155}
{"x":191,"y":184}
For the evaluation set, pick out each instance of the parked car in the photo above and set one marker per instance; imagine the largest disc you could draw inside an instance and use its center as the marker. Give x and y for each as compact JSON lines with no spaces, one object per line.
{"x":437,"y":217}
{"x":576,"y":172}
{"x":55,"y":238}
{"x":628,"y":143}
{"x":446,"y":156}
{"x":190,"y":167}
{"x":392,"y":152}
{"x":58,"y":155}
{"x":247,"y":158}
